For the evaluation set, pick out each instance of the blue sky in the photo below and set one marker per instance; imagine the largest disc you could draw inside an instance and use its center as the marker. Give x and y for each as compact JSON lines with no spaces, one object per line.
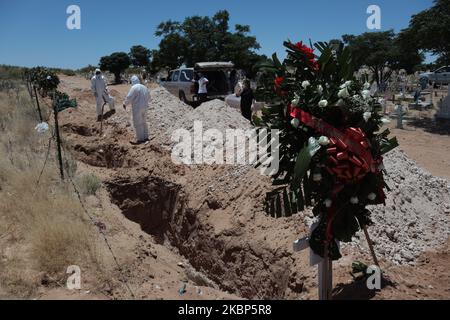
{"x":34,"y":32}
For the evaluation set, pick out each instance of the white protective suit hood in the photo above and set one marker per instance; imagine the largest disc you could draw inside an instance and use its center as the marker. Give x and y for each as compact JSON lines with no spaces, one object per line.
{"x":135,"y":80}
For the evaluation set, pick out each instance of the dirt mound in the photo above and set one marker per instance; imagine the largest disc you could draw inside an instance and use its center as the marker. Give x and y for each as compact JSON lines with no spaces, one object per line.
{"x":212,"y":120}
{"x":165,"y":109}
{"x":214,"y":114}
{"x":416,"y":217}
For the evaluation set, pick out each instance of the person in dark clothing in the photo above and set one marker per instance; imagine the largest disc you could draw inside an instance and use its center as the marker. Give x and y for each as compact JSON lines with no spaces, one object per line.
{"x":247,"y":97}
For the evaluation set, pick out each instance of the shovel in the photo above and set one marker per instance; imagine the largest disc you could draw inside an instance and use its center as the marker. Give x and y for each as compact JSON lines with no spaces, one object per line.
{"x":101,"y":117}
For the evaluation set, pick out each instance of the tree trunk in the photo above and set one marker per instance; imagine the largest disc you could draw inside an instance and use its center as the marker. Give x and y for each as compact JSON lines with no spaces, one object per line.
{"x":377,"y":76}
{"x":117,"y":77}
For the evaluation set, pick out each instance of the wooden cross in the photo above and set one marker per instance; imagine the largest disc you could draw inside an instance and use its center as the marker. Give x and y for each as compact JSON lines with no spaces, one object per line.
{"x":325,"y":265}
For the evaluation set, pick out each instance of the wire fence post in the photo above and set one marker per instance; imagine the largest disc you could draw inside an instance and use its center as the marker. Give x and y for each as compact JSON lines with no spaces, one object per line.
{"x":37,"y":103}
{"x":58,"y":137}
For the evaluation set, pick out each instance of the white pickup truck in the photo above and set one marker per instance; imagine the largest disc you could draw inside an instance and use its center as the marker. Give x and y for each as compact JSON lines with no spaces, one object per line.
{"x":440,"y":76}
{"x":183,"y":83}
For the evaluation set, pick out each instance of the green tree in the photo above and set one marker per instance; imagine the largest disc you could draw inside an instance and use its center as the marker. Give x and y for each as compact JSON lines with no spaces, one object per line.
{"x":139,"y":56}
{"x":429,"y":30}
{"x":200,"y":38}
{"x":171,"y":53}
{"x":410,"y":57}
{"x":382,"y":52}
{"x":116,"y":63}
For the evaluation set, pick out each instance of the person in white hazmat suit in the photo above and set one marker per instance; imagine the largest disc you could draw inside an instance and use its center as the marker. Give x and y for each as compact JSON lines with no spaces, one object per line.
{"x":139,"y":98}
{"x":98,"y":87}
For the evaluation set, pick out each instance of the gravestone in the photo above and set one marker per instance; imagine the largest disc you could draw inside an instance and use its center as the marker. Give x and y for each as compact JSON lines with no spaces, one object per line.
{"x":444,"y":110}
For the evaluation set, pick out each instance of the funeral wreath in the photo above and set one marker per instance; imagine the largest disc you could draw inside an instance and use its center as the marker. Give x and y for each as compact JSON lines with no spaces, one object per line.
{"x":331,"y":143}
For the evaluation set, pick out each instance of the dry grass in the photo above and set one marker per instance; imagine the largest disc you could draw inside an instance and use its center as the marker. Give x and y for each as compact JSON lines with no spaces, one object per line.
{"x":89,"y":184}
{"x":43,"y":229}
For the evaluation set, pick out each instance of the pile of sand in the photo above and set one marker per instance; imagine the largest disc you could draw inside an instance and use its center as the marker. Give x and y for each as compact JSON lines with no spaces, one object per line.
{"x":218,"y":116}
{"x":165,"y":109}
{"x":416,"y":217}
{"x":214,"y":114}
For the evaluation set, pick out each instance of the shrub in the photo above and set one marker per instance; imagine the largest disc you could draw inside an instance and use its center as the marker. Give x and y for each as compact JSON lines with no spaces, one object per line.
{"x":44,"y":79}
{"x":89,"y":184}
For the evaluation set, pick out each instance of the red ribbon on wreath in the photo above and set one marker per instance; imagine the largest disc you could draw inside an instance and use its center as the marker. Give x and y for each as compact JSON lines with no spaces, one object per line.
{"x":349,"y":155}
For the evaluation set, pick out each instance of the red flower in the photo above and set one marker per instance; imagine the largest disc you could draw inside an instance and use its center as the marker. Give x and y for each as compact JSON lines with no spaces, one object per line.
{"x":278,"y":81}
{"x":307,"y":51}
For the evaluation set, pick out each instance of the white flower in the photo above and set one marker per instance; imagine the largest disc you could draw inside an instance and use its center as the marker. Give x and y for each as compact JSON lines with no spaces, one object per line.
{"x":372,"y":196}
{"x":324,"y":141}
{"x":354,"y":200}
{"x":295,"y":122}
{"x":366,"y":85}
{"x":49,"y":78}
{"x":343,"y":93}
{"x":367,"y":115}
{"x":328,"y":203}
{"x":305,"y":84}
{"x":340,"y":103}
{"x":323,"y":103}
{"x":291,"y":69}
{"x":320,"y":89}
{"x":317,"y":177}
{"x":346,"y":84}
{"x":365,"y":94}
{"x":295,"y":102}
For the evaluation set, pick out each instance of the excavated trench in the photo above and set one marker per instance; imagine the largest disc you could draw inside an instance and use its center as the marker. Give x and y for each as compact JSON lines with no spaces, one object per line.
{"x":107,"y":155}
{"x":228,"y":260}
{"x":233,"y":264}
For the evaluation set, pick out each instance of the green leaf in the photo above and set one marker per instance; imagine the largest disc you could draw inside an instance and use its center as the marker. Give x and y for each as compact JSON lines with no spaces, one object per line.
{"x":300,"y":200}
{"x":388,"y":145}
{"x":345,"y":225}
{"x":278,"y":209}
{"x":276,"y":61}
{"x":307,"y":191}
{"x":293,"y":201}
{"x":302,"y":163}
{"x":287,"y":204}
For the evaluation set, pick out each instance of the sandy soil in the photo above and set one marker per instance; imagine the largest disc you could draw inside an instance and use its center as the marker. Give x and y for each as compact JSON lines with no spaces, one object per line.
{"x":219,"y":243}
{"x":428,"y":148}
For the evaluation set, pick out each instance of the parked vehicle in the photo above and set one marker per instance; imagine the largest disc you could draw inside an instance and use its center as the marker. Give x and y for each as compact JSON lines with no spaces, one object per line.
{"x":440,"y":76}
{"x":182,"y":82}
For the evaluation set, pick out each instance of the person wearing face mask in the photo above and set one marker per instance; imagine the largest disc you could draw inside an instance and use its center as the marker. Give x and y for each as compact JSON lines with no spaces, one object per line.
{"x":139,"y":98}
{"x":99,"y":88}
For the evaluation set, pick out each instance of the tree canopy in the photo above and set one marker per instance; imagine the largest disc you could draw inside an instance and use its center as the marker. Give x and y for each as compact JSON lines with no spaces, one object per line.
{"x":139,"y":56}
{"x":429,"y":30}
{"x":198,"y":39}
{"x":116,"y":63}
{"x":383,"y":52}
